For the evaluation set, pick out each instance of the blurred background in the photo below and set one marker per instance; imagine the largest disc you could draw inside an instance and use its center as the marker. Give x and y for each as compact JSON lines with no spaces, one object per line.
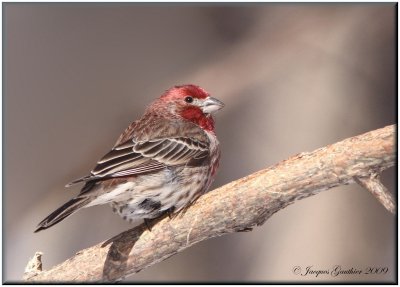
{"x":294,"y":77}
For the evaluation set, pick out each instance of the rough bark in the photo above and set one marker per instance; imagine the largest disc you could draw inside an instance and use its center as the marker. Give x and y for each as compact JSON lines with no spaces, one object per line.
{"x":237,"y":206}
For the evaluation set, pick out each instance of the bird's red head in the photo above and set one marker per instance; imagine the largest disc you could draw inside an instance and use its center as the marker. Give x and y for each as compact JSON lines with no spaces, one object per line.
{"x":191,"y":103}
{"x":180,"y":92}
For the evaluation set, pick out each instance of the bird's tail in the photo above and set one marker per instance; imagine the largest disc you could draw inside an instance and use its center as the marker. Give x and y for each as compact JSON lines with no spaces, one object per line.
{"x":62,"y":212}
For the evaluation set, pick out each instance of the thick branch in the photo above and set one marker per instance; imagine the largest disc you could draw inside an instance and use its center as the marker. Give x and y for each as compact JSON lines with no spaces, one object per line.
{"x":237,"y":206}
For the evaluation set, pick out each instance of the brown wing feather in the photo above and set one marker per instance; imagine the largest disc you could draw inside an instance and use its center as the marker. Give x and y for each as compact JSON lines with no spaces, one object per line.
{"x":139,"y":151}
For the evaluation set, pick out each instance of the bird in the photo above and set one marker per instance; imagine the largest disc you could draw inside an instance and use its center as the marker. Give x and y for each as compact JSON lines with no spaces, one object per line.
{"x":162,"y":163}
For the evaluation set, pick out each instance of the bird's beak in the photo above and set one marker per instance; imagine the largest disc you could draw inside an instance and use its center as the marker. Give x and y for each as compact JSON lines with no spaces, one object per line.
{"x":211,"y":105}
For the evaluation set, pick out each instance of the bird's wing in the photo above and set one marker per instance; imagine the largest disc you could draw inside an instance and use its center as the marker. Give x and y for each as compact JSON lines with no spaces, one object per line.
{"x":131,"y":157}
{"x":140,"y":150}
{"x":138,"y":157}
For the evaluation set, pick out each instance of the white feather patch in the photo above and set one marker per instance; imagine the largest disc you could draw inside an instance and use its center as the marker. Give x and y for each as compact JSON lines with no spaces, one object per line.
{"x":113,"y":195}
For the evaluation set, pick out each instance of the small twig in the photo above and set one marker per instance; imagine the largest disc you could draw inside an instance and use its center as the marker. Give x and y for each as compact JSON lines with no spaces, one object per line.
{"x":34,"y":266}
{"x":376,"y":187}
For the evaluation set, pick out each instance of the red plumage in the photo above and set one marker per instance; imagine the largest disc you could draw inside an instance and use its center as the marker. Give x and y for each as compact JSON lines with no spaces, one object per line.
{"x":161,"y":163}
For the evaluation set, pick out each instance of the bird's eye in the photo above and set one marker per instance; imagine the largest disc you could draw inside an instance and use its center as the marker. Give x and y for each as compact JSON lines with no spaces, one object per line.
{"x":189,"y":100}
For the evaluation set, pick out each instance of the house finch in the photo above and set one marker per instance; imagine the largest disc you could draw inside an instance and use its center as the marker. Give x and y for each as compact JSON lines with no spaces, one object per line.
{"x":161,"y":163}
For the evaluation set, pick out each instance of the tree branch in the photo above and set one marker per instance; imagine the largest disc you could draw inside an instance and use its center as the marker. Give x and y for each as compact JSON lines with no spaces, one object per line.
{"x":237,"y":206}
{"x":375,"y":186}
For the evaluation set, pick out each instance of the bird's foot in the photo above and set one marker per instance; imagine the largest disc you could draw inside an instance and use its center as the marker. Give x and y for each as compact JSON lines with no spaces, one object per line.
{"x":148,"y":224}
